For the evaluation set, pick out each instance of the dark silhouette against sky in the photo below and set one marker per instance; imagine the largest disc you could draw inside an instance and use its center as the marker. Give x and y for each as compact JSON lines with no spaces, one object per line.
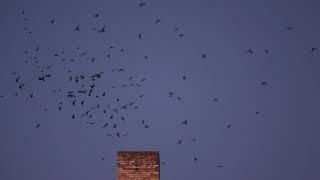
{"x":223,"y":89}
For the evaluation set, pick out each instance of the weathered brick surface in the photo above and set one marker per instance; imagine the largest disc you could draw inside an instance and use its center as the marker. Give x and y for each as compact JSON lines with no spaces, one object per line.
{"x":133,"y":165}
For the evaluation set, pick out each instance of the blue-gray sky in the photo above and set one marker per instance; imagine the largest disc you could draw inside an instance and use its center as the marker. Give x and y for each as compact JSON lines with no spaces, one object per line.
{"x":252,"y":103}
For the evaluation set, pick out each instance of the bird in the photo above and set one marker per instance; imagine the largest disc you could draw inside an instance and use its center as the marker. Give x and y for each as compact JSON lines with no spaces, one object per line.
{"x":215,"y":99}
{"x":38,"y":125}
{"x":249,"y":51}
{"x":185,"y":122}
{"x":264,"y":83}
{"x":184,"y":77}
{"x":140,"y":36}
{"x":96,"y":15}
{"x":157,"y":21}
{"x":314,"y":49}
{"x":219,"y":166}
{"x":171,"y":94}
{"x":195,"y":159}
{"x":146,"y":126}
{"x":266,"y":51}
{"x":102,"y":30}
{"x":37,"y":48}
{"x":203,"y":56}
{"x":77,"y":28}
{"x":179,"y":141}
{"x":289,"y":28}
{"x":142,"y":4}
{"x":52,"y":21}
{"x":229,"y":126}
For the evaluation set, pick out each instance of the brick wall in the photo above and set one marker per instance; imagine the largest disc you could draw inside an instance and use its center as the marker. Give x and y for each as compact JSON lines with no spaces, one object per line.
{"x":132,"y":165}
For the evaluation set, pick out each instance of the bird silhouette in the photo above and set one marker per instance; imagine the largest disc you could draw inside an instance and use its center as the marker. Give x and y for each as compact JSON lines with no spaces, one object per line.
{"x":157,"y":21}
{"x":314,"y":49}
{"x":264,"y":83}
{"x":103,"y":29}
{"x":195,"y":159}
{"x":185,"y":122}
{"x":142,"y":4}
{"x":203,"y":56}
{"x":77,"y":28}
{"x":215,"y":100}
{"x":289,"y":28}
{"x":96,"y":15}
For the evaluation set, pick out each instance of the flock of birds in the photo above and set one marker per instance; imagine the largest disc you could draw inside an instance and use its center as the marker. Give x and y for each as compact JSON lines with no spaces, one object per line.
{"x":83,"y":92}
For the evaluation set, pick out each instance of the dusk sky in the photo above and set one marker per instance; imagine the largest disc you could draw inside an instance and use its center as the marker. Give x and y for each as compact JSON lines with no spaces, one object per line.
{"x":223,"y":89}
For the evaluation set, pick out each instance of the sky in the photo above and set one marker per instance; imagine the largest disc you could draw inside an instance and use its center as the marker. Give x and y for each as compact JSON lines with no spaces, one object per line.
{"x":223,"y":89}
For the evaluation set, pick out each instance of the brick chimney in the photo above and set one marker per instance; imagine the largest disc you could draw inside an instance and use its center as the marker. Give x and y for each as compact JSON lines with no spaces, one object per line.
{"x":138,"y":165}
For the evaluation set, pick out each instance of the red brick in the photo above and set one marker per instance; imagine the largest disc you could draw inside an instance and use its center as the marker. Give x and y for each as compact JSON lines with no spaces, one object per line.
{"x":137,"y":165}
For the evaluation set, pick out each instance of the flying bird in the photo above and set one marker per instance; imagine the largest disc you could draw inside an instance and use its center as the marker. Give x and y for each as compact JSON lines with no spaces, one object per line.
{"x":146,"y":126}
{"x":157,"y":21}
{"x":264,"y":83}
{"x":289,"y":28}
{"x":102,"y":30}
{"x":96,"y":15}
{"x":142,"y":4}
{"x":249,"y":51}
{"x":184,"y":122}
{"x":314,"y":49}
{"x":195,"y":159}
{"x":215,"y":100}
{"x":77,"y":28}
{"x":203,"y":56}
